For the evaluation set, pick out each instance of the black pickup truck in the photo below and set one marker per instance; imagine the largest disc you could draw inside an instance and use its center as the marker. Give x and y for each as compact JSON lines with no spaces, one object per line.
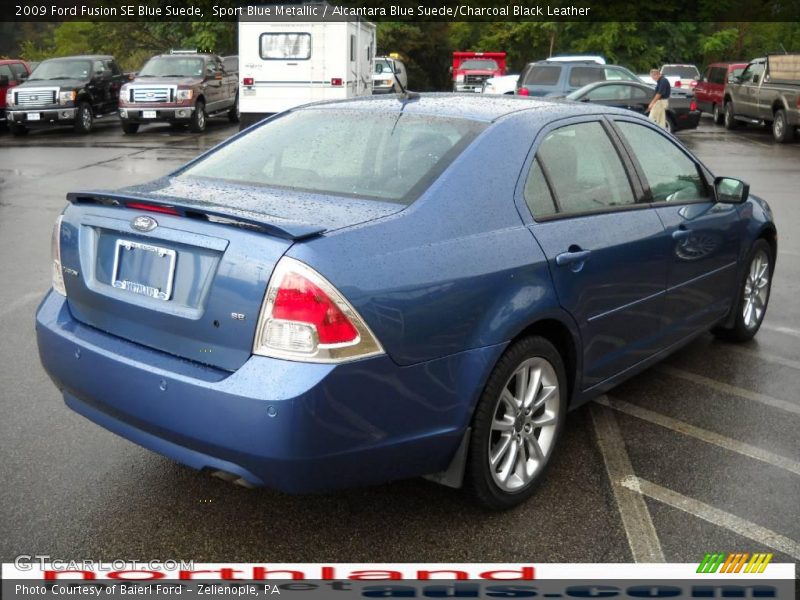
{"x":73,"y":90}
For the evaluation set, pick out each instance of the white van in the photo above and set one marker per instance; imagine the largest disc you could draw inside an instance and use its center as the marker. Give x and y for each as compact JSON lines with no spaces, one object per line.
{"x":285,"y":64}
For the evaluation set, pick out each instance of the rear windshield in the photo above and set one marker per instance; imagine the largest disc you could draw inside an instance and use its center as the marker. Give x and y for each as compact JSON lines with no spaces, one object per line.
{"x":62,"y":69}
{"x":383,"y":156}
{"x":173,"y":66}
{"x":542,"y":76}
{"x":479,"y":64}
{"x":682,"y":72}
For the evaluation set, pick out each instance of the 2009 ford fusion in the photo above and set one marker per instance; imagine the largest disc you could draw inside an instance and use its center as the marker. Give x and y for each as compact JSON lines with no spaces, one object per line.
{"x":360,"y":291}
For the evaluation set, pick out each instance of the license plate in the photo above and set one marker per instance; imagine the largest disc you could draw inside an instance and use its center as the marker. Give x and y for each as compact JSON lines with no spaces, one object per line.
{"x":34,"y":117}
{"x":248,"y":92}
{"x":148,"y":114}
{"x":143,"y":269}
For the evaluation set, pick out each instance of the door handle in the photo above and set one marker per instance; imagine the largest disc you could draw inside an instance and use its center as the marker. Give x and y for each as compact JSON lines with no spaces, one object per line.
{"x":681,"y":234}
{"x":573,"y":257}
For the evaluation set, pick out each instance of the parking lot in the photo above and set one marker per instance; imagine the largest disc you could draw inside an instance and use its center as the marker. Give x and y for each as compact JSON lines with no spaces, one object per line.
{"x":699,"y":454}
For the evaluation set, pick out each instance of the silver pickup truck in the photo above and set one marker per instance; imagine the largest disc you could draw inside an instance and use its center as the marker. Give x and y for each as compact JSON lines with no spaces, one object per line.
{"x":766,"y":92}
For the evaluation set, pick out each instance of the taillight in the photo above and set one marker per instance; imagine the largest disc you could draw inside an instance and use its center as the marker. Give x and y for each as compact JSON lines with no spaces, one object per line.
{"x":248,"y":81}
{"x":337,"y":81}
{"x":678,"y":83}
{"x":165,"y":210}
{"x":693,"y":106}
{"x":693,"y":83}
{"x":523,"y":91}
{"x":305,"y":318}
{"x":55,"y":248}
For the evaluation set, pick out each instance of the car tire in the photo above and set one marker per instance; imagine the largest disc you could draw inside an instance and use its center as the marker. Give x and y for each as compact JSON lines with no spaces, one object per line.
{"x":129,"y":128}
{"x":504,"y":425}
{"x":728,"y":118}
{"x":718,"y":116}
{"x":781,"y":130}
{"x":752,"y":295}
{"x":198,"y":122}
{"x":84,"y":119}
{"x":233,"y":113}
{"x":670,"y":124}
{"x":18,"y":130}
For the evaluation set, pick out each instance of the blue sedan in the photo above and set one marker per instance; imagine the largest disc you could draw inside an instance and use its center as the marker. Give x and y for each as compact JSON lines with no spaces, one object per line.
{"x":355,"y":292}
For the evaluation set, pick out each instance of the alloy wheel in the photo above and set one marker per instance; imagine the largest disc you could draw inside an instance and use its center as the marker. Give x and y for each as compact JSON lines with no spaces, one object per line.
{"x":524,"y":422}
{"x":756,"y":288}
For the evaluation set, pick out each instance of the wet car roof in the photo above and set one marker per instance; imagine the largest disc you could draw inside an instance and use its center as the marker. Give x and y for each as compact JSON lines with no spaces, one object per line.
{"x":476,"y":107}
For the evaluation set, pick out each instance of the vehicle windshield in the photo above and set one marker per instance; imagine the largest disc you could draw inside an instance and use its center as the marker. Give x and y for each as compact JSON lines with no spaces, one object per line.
{"x":687,"y":72}
{"x":479,"y":64}
{"x":385,"y":156}
{"x":62,"y":69}
{"x":173,"y":66}
{"x":383,"y":66}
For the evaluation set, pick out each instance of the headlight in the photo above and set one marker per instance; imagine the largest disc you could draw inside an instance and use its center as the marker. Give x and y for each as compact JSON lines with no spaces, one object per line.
{"x":67,"y":97}
{"x":55,"y":246}
{"x":460,"y":77}
{"x":184,"y":95}
{"x":10,"y":99}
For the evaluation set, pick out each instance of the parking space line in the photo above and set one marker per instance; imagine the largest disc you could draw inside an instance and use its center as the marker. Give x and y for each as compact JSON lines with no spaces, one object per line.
{"x":731,"y":389}
{"x":639,"y":529}
{"x":765,"y":356}
{"x":704,"y":435}
{"x":715,"y":516}
{"x":781,"y":329}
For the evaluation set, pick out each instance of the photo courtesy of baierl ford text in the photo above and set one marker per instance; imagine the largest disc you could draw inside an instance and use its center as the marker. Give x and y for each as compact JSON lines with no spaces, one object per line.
{"x":399,"y":299}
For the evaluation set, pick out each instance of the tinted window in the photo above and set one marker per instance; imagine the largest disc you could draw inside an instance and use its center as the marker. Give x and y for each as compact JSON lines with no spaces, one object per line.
{"x":285,"y":46}
{"x":537,"y":193}
{"x":19,"y":71}
{"x":717,"y":75}
{"x":580,"y":76}
{"x":671,"y":175}
{"x":354,"y":153}
{"x":542,"y":76}
{"x":584,"y":169}
{"x":5,"y":71}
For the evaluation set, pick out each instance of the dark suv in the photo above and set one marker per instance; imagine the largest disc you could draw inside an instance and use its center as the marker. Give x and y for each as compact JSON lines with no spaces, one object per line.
{"x":183,"y":87}
{"x":557,"y":78}
{"x":74,"y":90}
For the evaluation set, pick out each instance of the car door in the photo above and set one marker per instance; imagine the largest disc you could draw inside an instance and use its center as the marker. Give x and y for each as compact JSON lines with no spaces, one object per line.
{"x":607,"y":251}
{"x":746,"y":99}
{"x":704,"y":236}
{"x":100,"y":86}
{"x":215,"y":92}
{"x":117,"y":80}
{"x":618,"y":95}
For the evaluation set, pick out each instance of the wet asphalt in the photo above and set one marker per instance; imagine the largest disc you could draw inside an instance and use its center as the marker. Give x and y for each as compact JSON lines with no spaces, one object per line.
{"x":719,"y":429}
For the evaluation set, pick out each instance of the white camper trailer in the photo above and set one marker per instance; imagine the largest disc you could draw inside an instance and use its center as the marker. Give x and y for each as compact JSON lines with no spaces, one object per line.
{"x":285,"y":64}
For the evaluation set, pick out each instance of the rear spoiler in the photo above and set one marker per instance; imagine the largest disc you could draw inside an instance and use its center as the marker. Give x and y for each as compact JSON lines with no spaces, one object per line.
{"x":269,"y":224}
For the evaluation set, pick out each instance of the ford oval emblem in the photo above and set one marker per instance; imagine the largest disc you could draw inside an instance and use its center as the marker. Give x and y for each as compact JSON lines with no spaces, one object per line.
{"x":144,"y":223}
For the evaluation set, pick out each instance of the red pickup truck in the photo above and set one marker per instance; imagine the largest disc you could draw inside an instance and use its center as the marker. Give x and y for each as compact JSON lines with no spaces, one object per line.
{"x":12,"y":73}
{"x":471,"y":69}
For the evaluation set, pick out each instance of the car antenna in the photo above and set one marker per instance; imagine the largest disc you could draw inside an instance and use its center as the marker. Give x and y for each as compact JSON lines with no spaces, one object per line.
{"x":404,"y":95}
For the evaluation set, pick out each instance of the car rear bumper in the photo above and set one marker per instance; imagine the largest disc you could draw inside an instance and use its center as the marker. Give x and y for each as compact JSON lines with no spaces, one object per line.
{"x":172,"y":115}
{"x":47,"y":117}
{"x":689,"y":120}
{"x":297,"y":427}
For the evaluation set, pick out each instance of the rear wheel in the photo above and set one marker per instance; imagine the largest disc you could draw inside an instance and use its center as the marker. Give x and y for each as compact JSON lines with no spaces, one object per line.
{"x":84,"y":119}
{"x":753,"y":297}
{"x":670,"y":123}
{"x":130,"y":128}
{"x":719,"y":118}
{"x":198,"y":122}
{"x":233,"y":113}
{"x":517,"y":423}
{"x":781,"y":130}
{"x":729,"y":120}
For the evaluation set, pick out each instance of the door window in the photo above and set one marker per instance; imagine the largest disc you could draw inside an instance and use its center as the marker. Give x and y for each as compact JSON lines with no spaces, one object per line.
{"x":671,"y":175}
{"x":752,"y":74}
{"x":583,"y":169}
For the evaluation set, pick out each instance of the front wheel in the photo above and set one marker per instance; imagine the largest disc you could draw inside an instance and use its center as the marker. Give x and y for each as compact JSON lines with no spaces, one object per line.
{"x":753,"y":296}
{"x":729,"y":119}
{"x":781,"y":130}
{"x":198,"y":122}
{"x":517,"y":423}
{"x":84,"y":119}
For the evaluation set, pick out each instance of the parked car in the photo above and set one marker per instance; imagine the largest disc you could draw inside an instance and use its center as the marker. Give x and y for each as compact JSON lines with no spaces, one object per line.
{"x":578,"y":57}
{"x":710,"y":89}
{"x":470,"y":69}
{"x":73,"y":90}
{"x":507,"y":84}
{"x":181,"y":88}
{"x":682,"y":111}
{"x":681,"y":76}
{"x":645,"y":78}
{"x":12,"y":73}
{"x":548,"y":78}
{"x":390,"y":75}
{"x":767,"y":91}
{"x":336,"y":297}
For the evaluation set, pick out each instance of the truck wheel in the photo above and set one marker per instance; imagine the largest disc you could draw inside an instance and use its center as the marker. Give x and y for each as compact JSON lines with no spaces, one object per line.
{"x":781,"y":130}
{"x":18,"y":130}
{"x":130,"y":128}
{"x":730,"y":121}
{"x":84,"y":119}
{"x":233,"y":113}
{"x":198,"y":122}
{"x":719,"y":118}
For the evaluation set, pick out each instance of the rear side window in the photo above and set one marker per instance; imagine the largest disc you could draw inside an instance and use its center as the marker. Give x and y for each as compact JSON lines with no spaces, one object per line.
{"x":368,"y":155}
{"x":19,"y":71}
{"x":583,"y":170}
{"x":717,"y":75}
{"x":580,"y":76}
{"x":671,"y":175}
{"x":285,"y":46}
{"x":537,"y":193}
{"x":542,"y":76}
{"x":5,"y":71}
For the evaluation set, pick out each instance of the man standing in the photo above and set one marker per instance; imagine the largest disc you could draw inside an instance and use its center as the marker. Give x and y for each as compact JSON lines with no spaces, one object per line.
{"x":658,"y":105}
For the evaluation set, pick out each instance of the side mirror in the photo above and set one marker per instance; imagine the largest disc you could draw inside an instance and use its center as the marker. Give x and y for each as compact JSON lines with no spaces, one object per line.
{"x":585,"y":99}
{"x":731,"y":191}
{"x":3,"y":80}
{"x":22,"y":77}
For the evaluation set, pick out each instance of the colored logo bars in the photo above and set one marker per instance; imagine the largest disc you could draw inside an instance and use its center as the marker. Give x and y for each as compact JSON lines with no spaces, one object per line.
{"x":719,"y":562}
